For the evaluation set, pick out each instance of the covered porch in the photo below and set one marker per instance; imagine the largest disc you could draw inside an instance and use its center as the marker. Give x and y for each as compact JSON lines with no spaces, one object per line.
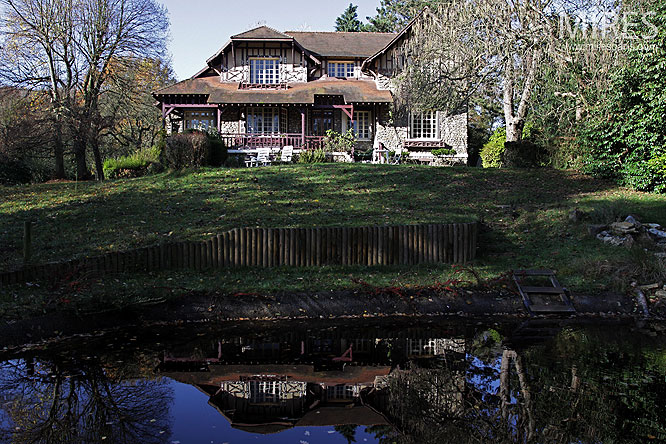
{"x":298,"y":115}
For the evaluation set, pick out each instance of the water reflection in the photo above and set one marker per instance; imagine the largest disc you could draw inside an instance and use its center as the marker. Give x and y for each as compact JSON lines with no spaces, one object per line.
{"x":542,"y":382}
{"x":59,"y":401}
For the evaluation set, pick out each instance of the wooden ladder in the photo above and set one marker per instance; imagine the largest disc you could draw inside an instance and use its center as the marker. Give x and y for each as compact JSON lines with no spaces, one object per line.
{"x":564,"y":304}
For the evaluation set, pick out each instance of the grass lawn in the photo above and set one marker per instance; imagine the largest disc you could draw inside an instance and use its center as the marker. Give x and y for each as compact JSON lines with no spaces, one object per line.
{"x":524,"y":215}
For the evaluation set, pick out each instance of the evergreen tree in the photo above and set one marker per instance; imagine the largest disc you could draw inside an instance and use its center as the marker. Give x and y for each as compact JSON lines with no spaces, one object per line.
{"x":348,"y":21}
{"x":393,"y":15}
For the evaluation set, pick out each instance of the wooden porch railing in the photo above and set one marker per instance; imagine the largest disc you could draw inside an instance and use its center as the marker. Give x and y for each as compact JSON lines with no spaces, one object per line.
{"x":251,"y":141}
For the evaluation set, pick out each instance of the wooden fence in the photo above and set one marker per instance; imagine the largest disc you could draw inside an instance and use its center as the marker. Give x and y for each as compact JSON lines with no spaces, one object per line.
{"x":275,"y":247}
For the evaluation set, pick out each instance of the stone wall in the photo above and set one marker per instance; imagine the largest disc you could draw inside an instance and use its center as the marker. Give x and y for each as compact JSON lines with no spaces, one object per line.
{"x":293,"y":74}
{"x":390,"y":134}
{"x":384,"y":82}
{"x":230,"y":121}
{"x":453,"y":133}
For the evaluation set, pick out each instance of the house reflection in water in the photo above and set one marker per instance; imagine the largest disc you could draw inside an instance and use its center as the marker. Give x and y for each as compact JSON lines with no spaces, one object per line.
{"x":266,"y":386}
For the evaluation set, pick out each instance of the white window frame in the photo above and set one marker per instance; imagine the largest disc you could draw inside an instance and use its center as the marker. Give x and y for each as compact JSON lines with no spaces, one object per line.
{"x":362,"y":125}
{"x":263,"y":120}
{"x":344,"y":70}
{"x":204,"y":120}
{"x":261,"y":74}
{"x":417,"y":124}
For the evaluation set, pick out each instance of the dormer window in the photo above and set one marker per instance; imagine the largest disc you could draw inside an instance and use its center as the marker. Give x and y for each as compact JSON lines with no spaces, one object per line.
{"x":264,"y":71}
{"x":341,"y":69}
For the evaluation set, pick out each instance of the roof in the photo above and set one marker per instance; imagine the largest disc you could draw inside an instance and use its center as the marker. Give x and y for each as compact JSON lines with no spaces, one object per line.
{"x":395,"y":38}
{"x":342,"y":44}
{"x":353,"y":91}
{"x":217,"y":374}
{"x":260,"y":33}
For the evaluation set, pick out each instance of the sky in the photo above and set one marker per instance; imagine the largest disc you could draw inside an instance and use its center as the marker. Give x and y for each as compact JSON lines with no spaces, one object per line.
{"x":200,"y":27}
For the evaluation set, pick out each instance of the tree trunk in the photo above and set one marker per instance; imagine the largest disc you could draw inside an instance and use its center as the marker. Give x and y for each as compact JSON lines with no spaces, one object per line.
{"x":59,"y":172}
{"x":80,"y":156}
{"x":99,"y":167}
{"x":514,"y":129}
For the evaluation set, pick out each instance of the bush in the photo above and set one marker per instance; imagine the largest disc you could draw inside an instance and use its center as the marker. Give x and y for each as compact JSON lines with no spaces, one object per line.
{"x":194,"y":149}
{"x":625,"y":136}
{"x":340,"y":143}
{"x":218,"y":153}
{"x":493,"y":156}
{"x":14,"y":172}
{"x":491,"y":153}
{"x":318,"y":155}
{"x":443,"y":152}
{"x":135,"y":165}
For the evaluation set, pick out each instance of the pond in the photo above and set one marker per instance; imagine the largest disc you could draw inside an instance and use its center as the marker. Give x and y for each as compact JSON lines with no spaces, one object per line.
{"x":538,"y":381}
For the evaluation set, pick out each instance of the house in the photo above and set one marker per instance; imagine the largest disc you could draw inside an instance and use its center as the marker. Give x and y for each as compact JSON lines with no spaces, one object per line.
{"x":266,"y":88}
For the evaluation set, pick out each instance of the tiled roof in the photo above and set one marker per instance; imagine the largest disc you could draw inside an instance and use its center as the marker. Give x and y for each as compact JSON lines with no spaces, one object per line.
{"x":353,"y":91}
{"x":343,"y":44}
{"x":262,"y":32}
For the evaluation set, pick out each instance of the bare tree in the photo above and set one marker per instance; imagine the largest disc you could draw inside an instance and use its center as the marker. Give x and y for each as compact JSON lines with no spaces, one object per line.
{"x":79,"y":42}
{"x":36,"y":51}
{"x":462,"y":47}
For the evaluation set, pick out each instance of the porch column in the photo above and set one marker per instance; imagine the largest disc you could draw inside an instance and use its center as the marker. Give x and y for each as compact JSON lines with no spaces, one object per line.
{"x":302,"y":127}
{"x":219,"y":119}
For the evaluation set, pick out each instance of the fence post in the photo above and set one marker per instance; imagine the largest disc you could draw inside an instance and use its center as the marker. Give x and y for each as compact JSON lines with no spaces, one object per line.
{"x":27,"y":241}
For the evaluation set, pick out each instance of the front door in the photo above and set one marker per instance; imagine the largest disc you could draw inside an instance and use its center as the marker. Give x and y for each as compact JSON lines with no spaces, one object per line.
{"x":322,"y":121}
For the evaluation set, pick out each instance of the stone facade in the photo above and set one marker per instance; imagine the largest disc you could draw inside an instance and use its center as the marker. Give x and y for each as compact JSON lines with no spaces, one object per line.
{"x":293,"y":74}
{"x":452,"y":133}
{"x":230,"y":121}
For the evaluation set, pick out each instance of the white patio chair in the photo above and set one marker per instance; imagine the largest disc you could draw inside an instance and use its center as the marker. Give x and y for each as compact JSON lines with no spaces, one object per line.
{"x":263,"y":156}
{"x":287,"y":154}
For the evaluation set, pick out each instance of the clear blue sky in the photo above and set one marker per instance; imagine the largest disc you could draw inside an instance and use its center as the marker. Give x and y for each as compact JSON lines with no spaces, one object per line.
{"x":200,"y":27}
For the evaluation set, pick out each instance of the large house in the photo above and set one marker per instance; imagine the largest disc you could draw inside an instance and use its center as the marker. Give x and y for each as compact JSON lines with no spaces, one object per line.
{"x":271,"y":88}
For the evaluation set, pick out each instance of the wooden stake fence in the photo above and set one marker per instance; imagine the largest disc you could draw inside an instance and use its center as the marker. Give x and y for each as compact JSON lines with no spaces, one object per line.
{"x":278,"y":247}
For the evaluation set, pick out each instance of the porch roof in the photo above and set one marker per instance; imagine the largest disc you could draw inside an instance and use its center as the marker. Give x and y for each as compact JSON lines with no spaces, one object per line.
{"x":353,"y":91}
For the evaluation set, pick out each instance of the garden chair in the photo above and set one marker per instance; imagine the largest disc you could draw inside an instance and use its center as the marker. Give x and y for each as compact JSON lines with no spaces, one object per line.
{"x":287,"y":154}
{"x":250,"y":160}
{"x":263,"y":156}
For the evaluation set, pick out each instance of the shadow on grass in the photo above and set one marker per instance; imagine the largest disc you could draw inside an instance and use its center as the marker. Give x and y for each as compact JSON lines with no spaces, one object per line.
{"x":131,"y":213}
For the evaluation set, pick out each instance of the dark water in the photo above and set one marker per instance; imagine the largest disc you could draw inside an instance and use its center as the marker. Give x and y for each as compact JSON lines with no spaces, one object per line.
{"x":544,"y":382}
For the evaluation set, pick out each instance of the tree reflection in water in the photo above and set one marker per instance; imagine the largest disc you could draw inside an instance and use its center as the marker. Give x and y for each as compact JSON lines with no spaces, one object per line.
{"x":58,"y":402}
{"x":415,"y":386}
{"x":581,"y":387}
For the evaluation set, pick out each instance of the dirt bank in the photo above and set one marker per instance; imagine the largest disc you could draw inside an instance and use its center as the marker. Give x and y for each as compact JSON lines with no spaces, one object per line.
{"x":213,"y":307}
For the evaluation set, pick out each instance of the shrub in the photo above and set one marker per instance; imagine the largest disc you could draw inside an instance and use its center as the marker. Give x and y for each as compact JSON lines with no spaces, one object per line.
{"x":218,"y":151}
{"x":318,"y":155}
{"x":523,"y":154}
{"x":443,"y":152}
{"x":491,"y":153}
{"x":14,"y":172}
{"x":194,"y":149}
{"x":625,"y":136}
{"x":135,"y":165}
{"x":336,"y":142}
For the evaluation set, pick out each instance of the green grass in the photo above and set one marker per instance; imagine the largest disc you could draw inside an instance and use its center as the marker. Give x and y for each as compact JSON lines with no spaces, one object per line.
{"x":524,"y":215}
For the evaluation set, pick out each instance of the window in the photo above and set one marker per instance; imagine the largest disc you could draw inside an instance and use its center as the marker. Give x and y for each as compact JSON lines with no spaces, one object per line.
{"x":341,"y":69}
{"x":201,"y":120}
{"x":322,"y":121}
{"x":264,"y":392}
{"x":423,"y":125}
{"x":264,"y":71}
{"x":263,"y":121}
{"x":362,"y":127}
